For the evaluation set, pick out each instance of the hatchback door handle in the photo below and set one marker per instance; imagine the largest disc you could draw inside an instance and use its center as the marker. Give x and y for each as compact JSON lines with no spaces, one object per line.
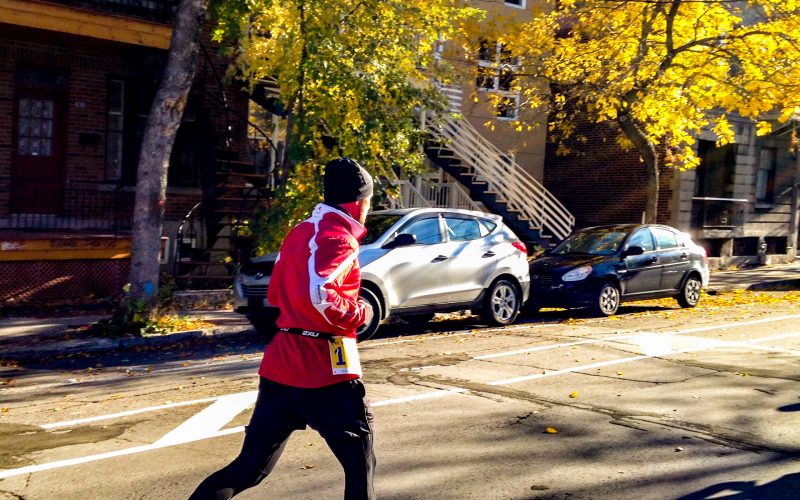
{"x":684,"y":255}
{"x":653,"y":260}
{"x":488,"y":254}
{"x":440,"y":258}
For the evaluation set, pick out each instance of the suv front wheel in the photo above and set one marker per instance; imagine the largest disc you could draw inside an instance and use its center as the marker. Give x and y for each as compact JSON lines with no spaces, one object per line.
{"x":502,"y":303}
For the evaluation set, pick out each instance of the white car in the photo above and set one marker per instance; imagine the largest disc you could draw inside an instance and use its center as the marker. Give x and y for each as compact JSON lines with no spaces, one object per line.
{"x":420,"y":261}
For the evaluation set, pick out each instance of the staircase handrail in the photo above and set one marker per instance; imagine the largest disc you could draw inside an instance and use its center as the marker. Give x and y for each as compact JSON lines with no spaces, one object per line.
{"x":506,"y":179}
{"x":410,"y":196}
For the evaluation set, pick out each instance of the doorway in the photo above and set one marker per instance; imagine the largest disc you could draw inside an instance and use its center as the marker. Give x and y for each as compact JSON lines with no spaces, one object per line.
{"x":38,"y":155}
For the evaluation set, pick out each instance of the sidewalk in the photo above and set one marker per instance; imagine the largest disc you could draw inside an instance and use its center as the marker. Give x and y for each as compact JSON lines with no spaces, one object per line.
{"x":764,"y":278}
{"x":36,"y":338}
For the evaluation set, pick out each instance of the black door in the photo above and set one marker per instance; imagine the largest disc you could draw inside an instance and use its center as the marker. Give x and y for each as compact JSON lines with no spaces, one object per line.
{"x":642,"y":272}
{"x":674,"y":258}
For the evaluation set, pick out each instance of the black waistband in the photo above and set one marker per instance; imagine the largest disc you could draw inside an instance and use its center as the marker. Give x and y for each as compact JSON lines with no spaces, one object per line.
{"x":308,"y":333}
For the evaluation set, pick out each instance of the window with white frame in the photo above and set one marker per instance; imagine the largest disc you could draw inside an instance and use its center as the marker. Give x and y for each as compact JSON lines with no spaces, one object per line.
{"x":765,"y":178}
{"x":516,"y":3}
{"x":496,"y":73}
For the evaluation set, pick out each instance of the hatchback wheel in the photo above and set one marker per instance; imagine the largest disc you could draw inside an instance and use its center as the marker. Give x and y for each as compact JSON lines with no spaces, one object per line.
{"x":607,"y":300}
{"x":690,"y":292}
{"x":502,"y":303}
{"x":368,"y":329}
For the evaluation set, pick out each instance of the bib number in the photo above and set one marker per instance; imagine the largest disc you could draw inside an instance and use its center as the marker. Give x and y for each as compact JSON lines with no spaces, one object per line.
{"x":344,"y":356}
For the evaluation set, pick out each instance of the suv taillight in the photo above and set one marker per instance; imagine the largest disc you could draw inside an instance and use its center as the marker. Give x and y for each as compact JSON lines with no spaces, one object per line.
{"x":521,"y":247}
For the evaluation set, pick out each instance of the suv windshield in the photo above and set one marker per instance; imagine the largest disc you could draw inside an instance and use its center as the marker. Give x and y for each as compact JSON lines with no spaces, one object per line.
{"x":599,"y":241}
{"x":377,"y":224}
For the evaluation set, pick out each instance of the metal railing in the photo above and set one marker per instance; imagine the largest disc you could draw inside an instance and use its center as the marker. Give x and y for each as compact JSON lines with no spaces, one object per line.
{"x":708,"y":212}
{"x":94,"y":208}
{"x":159,"y":11}
{"x":506,"y":179}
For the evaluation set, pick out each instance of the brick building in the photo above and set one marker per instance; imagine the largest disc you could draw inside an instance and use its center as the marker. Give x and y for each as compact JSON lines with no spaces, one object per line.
{"x":740,"y":203}
{"x":77,"y":79}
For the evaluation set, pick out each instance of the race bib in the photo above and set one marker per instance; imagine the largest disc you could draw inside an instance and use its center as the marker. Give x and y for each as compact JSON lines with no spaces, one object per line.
{"x":344,"y":356}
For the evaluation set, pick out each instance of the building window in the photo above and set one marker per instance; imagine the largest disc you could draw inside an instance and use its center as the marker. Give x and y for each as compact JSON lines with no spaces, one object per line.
{"x":765,"y":178}
{"x":496,"y":73}
{"x":35,"y":134}
{"x":115,"y":130}
{"x":516,"y":3}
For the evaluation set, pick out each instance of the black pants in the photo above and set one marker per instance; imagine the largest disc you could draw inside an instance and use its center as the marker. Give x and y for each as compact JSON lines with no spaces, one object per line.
{"x":339,"y":412}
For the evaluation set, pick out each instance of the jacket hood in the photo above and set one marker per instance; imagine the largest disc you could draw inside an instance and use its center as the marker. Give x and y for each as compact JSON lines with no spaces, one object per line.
{"x":356,"y":229}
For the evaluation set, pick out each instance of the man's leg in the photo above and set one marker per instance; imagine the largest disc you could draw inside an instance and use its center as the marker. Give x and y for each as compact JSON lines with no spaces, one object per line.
{"x":272,"y":422}
{"x":343,"y":417}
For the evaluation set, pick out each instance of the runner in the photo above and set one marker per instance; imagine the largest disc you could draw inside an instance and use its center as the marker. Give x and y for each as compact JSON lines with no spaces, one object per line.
{"x":310,"y":371}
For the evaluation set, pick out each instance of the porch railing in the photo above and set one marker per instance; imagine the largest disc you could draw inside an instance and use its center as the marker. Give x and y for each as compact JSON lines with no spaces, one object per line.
{"x":709,"y":212}
{"x":95,"y":208}
{"x":159,"y":11}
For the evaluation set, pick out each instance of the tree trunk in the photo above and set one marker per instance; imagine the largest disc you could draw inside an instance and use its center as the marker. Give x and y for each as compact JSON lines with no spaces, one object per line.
{"x":159,"y":137}
{"x":648,"y":152}
{"x":794,"y":218}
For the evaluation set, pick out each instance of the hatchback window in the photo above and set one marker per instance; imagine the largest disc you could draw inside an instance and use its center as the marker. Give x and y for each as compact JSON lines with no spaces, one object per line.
{"x":599,"y":241}
{"x":426,"y":231}
{"x":460,"y":229}
{"x":377,"y":224}
{"x":642,"y":238}
{"x":488,"y":226}
{"x":665,"y":238}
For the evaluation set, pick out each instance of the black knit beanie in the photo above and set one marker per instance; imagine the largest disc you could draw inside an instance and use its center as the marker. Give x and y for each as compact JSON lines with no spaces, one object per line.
{"x":345,"y":181}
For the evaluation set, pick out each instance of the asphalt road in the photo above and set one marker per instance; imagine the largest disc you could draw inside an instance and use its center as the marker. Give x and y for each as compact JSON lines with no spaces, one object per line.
{"x":658,"y":402}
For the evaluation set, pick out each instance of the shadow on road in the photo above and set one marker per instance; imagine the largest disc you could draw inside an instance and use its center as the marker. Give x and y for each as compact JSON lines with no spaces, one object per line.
{"x":787,"y":487}
{"x":788,"y":408}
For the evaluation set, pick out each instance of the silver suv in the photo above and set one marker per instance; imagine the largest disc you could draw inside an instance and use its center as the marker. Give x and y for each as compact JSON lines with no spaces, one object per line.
{"x":416,"y":262}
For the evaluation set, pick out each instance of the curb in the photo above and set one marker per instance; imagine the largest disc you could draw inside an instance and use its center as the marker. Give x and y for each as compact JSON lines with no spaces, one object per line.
{"x":776,"y":286}
{"x":98,"y":345}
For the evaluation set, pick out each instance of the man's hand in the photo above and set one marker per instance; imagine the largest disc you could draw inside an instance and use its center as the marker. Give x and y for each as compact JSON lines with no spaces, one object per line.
{"x":368,"y":312}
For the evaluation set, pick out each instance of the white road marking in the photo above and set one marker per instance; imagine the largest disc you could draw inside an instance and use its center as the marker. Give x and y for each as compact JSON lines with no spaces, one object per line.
{"x":187,"y":435}
{"x":209,"y":421}
{"x":102,"y":456}
{"x":213,"y":418}
{"x":611,"y":338}
{"x":705,"y":344}
{"x":79,"y":421}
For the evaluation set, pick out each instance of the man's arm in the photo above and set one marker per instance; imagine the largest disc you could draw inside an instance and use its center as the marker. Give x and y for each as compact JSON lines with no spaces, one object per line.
{"x":333,"y":289}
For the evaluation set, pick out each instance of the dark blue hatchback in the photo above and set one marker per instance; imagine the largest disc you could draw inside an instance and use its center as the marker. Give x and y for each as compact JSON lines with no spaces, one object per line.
{"x":601,"y":267}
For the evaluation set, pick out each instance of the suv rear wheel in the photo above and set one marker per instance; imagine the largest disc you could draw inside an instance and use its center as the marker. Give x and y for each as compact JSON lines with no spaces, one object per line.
{"x":368,"y":329}
{"x":502,"y":303}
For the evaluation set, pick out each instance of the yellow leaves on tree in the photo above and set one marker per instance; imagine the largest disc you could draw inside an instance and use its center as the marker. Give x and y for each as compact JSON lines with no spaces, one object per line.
{"x":661,"y":72}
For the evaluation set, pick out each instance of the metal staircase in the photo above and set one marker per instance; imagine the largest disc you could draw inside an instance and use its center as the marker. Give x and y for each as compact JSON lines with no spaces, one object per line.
{"x":215,"y":235}
{"x":495,"y":179}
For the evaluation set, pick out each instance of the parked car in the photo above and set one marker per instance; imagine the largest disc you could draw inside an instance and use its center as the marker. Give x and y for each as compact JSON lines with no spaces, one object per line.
{"x":417,"y":262}
{"x":601,"y":267}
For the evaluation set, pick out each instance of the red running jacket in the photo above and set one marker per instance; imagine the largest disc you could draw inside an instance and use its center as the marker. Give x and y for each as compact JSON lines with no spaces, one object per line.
{"x":315,"y":283}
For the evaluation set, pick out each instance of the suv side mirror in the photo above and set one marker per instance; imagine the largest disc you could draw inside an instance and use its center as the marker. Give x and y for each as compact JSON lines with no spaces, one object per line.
{"x":634,"y":250}
{"x":401,"y":240}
